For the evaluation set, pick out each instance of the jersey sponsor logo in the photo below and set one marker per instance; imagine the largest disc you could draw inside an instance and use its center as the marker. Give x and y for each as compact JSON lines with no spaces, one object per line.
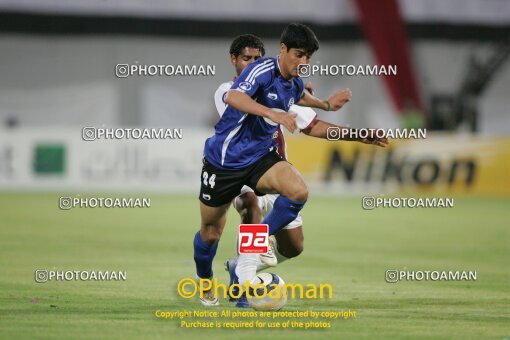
{"x":206,"y":197}
{"x":245,"y":86}
{"x":272,"y":96}
{"x":253,"y":239}
{"x":291,"y":102}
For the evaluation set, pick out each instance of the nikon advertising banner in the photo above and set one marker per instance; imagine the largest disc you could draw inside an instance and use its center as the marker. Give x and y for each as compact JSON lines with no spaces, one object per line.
{"x":442,"y":162}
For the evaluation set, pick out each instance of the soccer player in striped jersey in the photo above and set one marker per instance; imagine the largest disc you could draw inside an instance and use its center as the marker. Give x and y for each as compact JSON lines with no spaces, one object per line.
{"x":288,"y":242}
{"x":242,"y":152}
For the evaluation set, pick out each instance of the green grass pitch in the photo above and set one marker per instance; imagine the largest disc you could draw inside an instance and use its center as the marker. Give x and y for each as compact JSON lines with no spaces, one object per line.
{"x":344,"y":245}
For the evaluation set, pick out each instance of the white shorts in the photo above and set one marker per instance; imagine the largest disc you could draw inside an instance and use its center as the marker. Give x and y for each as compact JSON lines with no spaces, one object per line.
{"x":266,"y":203}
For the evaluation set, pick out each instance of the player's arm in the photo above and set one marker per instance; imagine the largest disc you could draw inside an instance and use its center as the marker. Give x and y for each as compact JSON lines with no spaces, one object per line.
{"x":319,"y":129}
{"x":244,"y":103}
{"x":309,"y":88}
{"x":336,"y":100}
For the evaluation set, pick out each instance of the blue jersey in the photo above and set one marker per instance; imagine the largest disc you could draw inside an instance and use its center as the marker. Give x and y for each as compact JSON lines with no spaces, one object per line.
{"x":241,"y":139}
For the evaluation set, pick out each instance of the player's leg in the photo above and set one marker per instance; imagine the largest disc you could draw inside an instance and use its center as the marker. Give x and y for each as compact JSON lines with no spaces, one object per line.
{"x":289,"y":243}
{"x":248,"y":207}
{"x":205,"y":244}
{"x":247,"y":204}
{"x":286,"y":244}
{"x":265,"y":205}
{"x":284,"y":179}
{"x":217,"y":190}
{"x":206,"y":240}
{"x":252,"y":209}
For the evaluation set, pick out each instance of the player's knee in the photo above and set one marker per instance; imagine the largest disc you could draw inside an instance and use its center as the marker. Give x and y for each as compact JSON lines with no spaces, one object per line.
{"x":293,"y":251}
{"x":210,"y":234}
{"x":248,"y":207}
{"x":297,"y":248}
{"x":211,"y":238}
{"x":299,"y":194}
{"x":250,"y":202}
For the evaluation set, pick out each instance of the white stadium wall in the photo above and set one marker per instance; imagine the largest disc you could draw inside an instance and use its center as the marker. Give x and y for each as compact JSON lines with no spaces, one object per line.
{"x":70,"y":81}
{"x":57,"y":159}
{"x":493,"y":12}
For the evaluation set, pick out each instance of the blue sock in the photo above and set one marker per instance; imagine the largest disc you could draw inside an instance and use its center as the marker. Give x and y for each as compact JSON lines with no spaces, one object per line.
{"x":204,"y":255}
{"x":284,"y":211}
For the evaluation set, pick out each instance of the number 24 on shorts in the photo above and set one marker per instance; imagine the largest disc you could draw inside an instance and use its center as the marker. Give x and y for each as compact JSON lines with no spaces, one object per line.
{"x":211,"y":182}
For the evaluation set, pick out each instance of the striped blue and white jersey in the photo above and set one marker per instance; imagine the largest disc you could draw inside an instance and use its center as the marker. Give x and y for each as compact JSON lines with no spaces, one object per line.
{"x":241,"y":139}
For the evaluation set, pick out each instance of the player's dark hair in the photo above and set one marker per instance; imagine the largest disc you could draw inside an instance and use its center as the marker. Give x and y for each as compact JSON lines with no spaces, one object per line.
{"x":246,"y":40}
{"x":299,"y":36}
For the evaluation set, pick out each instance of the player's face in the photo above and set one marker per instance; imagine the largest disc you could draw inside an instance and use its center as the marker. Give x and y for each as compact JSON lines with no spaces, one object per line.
{"x":247,"y":56}
{"x":291,"y":59}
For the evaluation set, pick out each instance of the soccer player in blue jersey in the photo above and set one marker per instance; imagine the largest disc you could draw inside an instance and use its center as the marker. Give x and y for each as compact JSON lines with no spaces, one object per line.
{"x":242,"y":151}
{"x":288,"y":243}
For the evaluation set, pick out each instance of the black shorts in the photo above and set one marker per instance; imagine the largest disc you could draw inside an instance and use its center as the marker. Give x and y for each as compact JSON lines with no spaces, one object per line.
{"x":220,"y":186}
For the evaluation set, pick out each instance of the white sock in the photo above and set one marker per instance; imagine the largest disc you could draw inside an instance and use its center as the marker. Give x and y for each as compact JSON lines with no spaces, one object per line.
{"x":246,"y":268}
{"x":261,"y":265}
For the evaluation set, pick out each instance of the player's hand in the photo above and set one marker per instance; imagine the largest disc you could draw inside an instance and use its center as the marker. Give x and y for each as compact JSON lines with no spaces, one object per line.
{"x":286,"y":119}
{"x":339,"y":98}
{"x":374,"y":140}
{"x":309,"y":88}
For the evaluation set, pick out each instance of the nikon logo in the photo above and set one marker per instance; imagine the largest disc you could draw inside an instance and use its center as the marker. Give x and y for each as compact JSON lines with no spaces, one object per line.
{"x":387,"y":166}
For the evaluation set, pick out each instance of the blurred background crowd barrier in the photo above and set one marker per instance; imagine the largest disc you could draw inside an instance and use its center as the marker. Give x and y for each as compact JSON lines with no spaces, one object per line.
{"x":57,"y":76}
